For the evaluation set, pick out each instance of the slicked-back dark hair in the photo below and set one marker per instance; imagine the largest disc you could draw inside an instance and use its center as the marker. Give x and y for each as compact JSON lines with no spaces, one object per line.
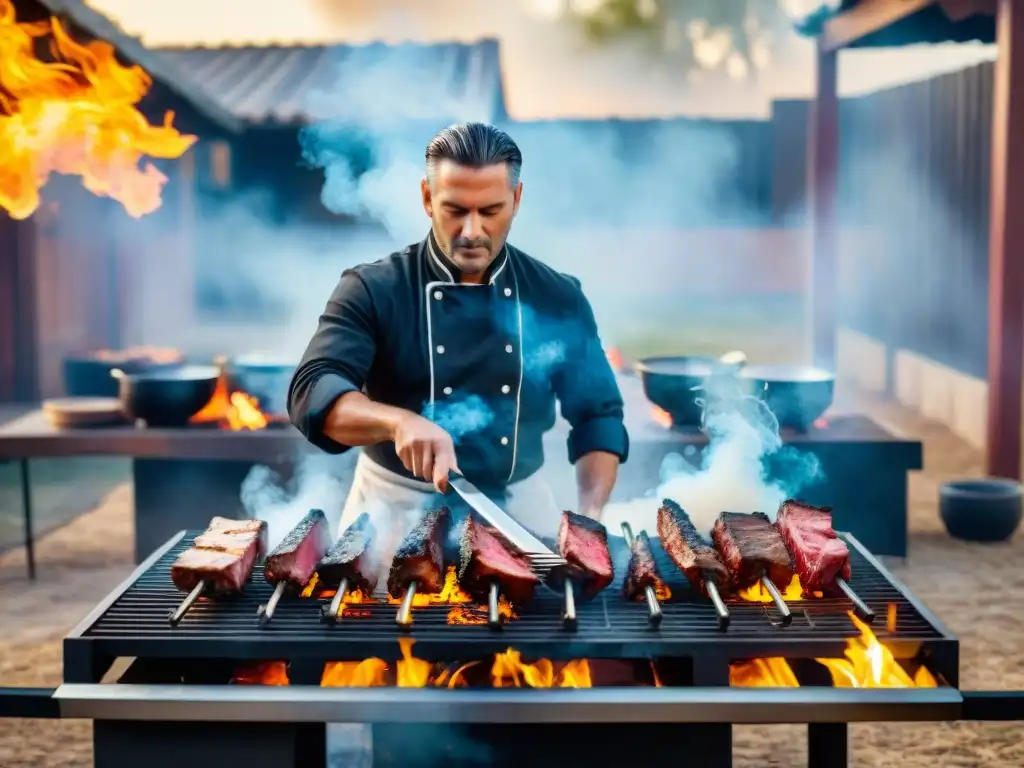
{"x":474,"y":145}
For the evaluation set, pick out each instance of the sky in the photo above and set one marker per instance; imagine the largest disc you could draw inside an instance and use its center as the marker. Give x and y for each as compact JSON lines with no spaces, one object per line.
{"x":549,"y":72}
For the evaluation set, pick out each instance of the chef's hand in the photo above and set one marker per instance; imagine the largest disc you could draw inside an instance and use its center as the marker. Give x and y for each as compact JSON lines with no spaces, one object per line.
{"x":426,"y":450}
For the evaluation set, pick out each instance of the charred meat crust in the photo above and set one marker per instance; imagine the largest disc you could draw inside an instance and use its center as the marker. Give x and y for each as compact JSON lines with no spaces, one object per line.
{"x":583,"y":542}
{"x":420,"y":556}
{"x":750,"y":545}
{"x":351,"y":558}
{"x":641,"y":571}
{"x":693,"y":555}
{"x":485,"y":558}
{"x":295,"y":558}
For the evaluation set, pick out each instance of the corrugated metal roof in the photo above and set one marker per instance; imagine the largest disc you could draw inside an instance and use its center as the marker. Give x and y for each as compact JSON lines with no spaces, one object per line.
{"x":102,"y":28}
{"x":296,"y":85}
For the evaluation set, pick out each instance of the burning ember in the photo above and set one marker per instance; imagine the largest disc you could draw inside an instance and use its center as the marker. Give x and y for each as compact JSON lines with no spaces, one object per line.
{"x":661,"y":417}
{"x":758,"y":594}
{"x":508,"y":670}
{"x":235,"y":411}
{"x":868,"y":664}
{"x":75,"y":116}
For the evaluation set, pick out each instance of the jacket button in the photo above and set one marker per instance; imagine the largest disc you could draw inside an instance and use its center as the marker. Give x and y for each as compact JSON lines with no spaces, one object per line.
{"x":506,"y":388}
{"x":504,"y":441}
{"x":508,"y":291}
{"x":440,"y":349}
{"x":508,"y":348}
{"x":438,"y":295}
{"x":447,"y":390}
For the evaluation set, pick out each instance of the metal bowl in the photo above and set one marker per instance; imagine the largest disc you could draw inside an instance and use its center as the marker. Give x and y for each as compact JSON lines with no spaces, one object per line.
{"x":166,"y":398}
{"x":797,"y":394}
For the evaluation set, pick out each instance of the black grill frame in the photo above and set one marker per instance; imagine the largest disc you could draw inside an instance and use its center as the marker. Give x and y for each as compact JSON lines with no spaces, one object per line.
{"x":132,"y":622}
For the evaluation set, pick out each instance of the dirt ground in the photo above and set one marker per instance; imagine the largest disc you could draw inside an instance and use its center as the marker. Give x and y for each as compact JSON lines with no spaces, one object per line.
{"x":977,"y":590}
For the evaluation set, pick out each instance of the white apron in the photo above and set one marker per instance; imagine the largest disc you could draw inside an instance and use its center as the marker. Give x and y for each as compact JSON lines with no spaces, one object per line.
{"x":395,"y":503}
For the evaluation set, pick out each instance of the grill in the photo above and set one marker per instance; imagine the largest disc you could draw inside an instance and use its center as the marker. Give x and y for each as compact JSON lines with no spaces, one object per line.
{"x":157,"y":715}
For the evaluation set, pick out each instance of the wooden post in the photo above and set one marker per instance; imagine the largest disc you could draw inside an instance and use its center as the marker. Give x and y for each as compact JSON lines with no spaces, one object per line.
{"x":822,"y":178}
{"x":1006,"y":239}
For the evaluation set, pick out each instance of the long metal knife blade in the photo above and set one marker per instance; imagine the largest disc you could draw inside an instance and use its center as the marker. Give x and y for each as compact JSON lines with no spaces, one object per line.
{"x":518,"y":536}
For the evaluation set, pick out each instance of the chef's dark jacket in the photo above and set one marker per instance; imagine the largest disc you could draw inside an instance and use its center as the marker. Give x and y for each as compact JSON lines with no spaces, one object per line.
{"x":484,"y":361}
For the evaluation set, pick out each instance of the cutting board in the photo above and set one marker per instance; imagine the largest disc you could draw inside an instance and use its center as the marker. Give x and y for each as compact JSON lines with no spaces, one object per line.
{"x":83,"y":412}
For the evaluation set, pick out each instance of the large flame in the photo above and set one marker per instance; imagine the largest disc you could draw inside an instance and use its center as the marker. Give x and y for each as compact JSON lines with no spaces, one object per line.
{"x":236,"y":411}
{"x":510,"y":671}
{"x":869,"y":664}
{"x":75,"y":116}
{"x":762,"y":673}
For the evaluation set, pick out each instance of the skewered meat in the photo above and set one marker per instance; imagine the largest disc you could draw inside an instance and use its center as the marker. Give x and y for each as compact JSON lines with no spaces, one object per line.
{"x":818,"y":555}
{"x":295,"y":558}
{"x":641,"y":571}
{"x":223,"y":556}
{"x":420,"y":556}
{"x":351,"y":558}
{"x":750,"y":545}
{"x":483,"y":558}
{"x":694,"y":556}
{"x":583,"y":542}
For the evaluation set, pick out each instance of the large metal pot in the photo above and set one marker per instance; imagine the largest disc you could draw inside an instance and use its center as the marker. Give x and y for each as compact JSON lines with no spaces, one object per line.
{"x":166,"y":398}
{"x":264,"y":377}
{"x":796,"y":394}
{"x":88,"y":374}
{"x":674,"y":383}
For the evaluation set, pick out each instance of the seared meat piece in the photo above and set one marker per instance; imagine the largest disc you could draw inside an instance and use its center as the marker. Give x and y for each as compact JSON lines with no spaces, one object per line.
{"x":694,"y":556}
{"x":583,"y":542}
{"x":483,"y":558}
{"x":641,"y":571}
{"x":420,"y":556}
{"x":351,"y":558}
{"x":818,"y":555}
{"x":223,"y":556}
{"x":750,"y":545}
{"x":294,"y":559}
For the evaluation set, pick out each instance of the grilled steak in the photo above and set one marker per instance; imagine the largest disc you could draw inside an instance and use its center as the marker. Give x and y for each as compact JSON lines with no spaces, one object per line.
{"x":223,"y":556}
{"x":694,"y":556}
{"x":351,"y":558}
{"x":483,"y":558}
{"x":750,"y":545}
{"x":818,"y":555}
{"x":583,"y":542}
{"x":420,"y":556}
{"x":641,"y":571}
{"x":295,"y":558}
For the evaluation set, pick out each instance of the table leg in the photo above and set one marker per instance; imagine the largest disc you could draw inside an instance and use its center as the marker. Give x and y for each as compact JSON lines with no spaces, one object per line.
{"x":26,"y":504}
{"x":827,"y":745}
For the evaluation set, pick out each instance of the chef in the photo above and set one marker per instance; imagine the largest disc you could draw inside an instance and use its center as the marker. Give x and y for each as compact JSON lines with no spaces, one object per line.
{"x":449,"y":355}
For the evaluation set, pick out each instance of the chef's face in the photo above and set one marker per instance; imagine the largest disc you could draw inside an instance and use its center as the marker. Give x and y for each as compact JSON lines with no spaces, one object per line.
{"x":471,"y":210}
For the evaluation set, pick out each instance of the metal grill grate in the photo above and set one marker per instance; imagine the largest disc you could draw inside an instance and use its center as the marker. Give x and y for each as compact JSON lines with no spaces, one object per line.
{"x":134,"y":623}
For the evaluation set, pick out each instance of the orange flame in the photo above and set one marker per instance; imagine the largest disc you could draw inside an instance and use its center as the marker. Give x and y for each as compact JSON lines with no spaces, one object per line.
{"x":661,"y":417}
{"x":509,"y":671}
{"x":762,"y":673}
{"x":237,"y":411}
{"x":262,"y":673}
{"x":75,"y":116}
{"x":352,"y":597}
{"x":368,"y":673}
{"x":756,"y":593}
{"x":412,"y":672}
{"x":869,"y":664}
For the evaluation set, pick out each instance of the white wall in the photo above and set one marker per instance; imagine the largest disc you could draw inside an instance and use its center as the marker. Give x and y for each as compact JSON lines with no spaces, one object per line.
{"x":549,"y":71}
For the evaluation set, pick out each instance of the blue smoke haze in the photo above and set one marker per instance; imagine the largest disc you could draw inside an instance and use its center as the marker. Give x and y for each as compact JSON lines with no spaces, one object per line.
{"x":461,"y":417}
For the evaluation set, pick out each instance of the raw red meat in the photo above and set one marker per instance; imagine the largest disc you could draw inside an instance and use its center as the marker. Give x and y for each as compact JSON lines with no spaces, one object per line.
{"x":583,"y":542}
{"x":750,"y":545}
{"x":484,"y":558}
{"x":818,"y":554}
{"x":294,"y":559}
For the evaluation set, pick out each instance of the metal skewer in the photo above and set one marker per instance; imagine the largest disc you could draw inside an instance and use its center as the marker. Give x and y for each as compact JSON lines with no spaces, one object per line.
{"x":780,"y":604}
{"x":187,"y":604}
{"x":859,"y":606}
{"x":266,"y":612}
{"x":716,"y":599}
{"x":404,"y":617}
{"x":569,"y":608}
{"x":653,"y":606}
{"x":493,"y":617}
{"x":333,"y":611}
